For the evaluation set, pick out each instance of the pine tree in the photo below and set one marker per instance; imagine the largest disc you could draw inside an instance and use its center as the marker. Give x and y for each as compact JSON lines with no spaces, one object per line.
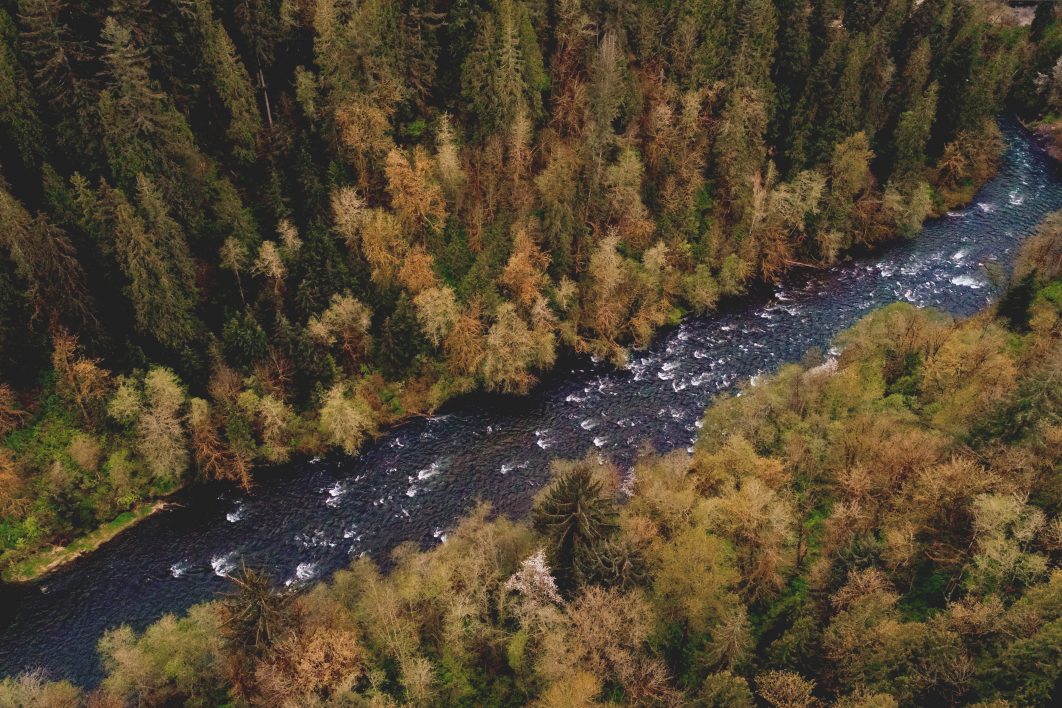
{"x":141,"y":129}
{"x":47,"y":261}
{"x":56,"y":60}
{"x":153,"y":254}
{"x":575,"y":515}
{"x":504,"y":74}
{"x":912,"y":135}
{"x":19,"y":121}
{"x":229,"y":78}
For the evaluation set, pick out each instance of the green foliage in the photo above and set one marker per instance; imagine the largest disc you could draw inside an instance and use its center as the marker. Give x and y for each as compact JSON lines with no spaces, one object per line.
{"x":925,"y":571}
{"x":273,"y":200}
{"x":254,"y":614}
{"x":577,"y":517}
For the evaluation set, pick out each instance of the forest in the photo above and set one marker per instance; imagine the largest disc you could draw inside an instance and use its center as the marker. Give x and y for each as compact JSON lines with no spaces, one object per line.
{"x":880,"y":528}
{"x":231,"y":232}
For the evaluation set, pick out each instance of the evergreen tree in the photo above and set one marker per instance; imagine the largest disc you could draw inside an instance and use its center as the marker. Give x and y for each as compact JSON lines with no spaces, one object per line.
{"x":228,"y":77}
{"x":576,"y":516}
{"x":57,"y":58}
{"x":153,"y":254}
{"x":504,"y":75}
{"x":912,"y":135}
{"x":20,"y":126}
{"x":47,"y":262}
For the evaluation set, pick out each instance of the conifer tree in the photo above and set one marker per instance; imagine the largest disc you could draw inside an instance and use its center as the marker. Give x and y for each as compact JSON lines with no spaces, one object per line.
{"x":504,"y":73}
{"x":47,"y":261}
{"x":57,"y":59}
{"x":152,"y":252}
{"x":229,"y":78}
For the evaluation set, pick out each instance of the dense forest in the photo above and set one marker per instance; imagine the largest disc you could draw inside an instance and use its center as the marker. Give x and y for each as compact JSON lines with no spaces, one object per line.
{"x":231,"y":231}
{"x":878,"y":529}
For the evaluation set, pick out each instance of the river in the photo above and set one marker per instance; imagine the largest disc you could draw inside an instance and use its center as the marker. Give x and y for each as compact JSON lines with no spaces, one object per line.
{"x":307,"y":519}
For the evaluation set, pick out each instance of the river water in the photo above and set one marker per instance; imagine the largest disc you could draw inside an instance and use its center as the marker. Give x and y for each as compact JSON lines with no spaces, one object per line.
{"x":307,"y":519}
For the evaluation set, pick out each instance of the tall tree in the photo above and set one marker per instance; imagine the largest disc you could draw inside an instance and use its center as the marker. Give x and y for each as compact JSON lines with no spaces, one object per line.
{"x":47,"y":261}
{"x":57,"y":57}
{"x":504,"y":74}
{"x":228,"y":77}
{"x":153,"y":254}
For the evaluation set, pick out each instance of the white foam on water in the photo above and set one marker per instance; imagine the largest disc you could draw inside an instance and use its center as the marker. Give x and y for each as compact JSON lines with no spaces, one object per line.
{"x":600,"y":441}
{"x":236,"y":514}
{"x":959,"y":255}
{"x":986,"y":207}
{"x":701,"y":379}
{"x":968,"y":281}
{"x":317,"y":539}
{"x":224,"y":564}
{"x":179,"y":568}
{"x":335,"y":495}
{"x":303,"y":572}
{"x":440,"y":534}
{"x":588,"y":424}
{"x":430,"y":471}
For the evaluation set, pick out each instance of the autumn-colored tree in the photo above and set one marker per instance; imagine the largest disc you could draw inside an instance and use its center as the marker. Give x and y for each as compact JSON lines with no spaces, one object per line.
{"x":344,"y":325}
{"x":345,"y":420}
{"x":465,"y":344}
{"x":415,"y":195}
{"x":79,"y":380}
{"x":512,"y":350}
{"x":524,"y":274}
{"x":154,"y":407}
{"x":213,"y":456}
{"x":438,"y":311}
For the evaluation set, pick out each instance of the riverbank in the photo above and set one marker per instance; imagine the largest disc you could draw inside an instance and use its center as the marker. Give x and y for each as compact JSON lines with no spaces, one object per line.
{"x":911,"y":465}
{"x":44,"y":562}
{"x":394,"y":404}
{"x":307,"y":519}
